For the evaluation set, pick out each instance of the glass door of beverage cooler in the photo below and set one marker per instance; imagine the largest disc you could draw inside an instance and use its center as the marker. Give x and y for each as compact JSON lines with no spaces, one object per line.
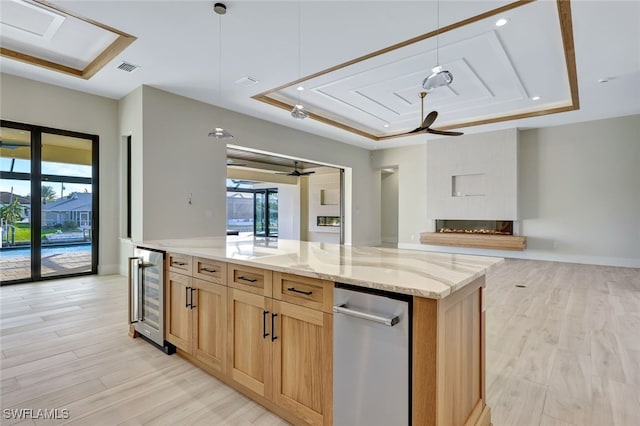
{"x":146,"y":294}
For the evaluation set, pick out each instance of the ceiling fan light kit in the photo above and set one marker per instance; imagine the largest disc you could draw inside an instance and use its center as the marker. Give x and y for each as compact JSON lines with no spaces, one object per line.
{"x":299,"y":112}
{"x":220,"y":133}
{"x":438,"y":78}
{"x":220,"y":9}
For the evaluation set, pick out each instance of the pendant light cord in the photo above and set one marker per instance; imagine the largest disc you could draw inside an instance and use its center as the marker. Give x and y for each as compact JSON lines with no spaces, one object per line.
{"x":220,"y":57}
{"x":438,"y":33}
{"x":299,"y":52}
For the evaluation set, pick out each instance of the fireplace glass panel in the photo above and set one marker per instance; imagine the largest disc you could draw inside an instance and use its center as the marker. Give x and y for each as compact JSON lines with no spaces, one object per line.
{"x":491,"y":227}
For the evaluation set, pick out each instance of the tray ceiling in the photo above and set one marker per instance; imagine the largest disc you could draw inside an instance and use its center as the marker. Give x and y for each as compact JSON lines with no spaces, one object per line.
{"x":377,"y":95}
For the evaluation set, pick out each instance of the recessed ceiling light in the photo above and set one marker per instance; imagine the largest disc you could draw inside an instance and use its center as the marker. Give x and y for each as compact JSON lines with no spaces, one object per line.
{"x":501,"y":22}
{"x":385,"y":125}
{"x":299,"y":88}
{"x":535,"y":98}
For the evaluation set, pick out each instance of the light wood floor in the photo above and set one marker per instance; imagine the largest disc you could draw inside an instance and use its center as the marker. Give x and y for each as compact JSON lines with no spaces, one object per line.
{"x":564,"y":350}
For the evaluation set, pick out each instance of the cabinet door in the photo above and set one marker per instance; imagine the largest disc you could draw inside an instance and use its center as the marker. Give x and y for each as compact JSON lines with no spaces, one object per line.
{"x":178,"y":311}
{"x":303,"y":362}
{"x":210,"y":324}
{"x":249,"y":323}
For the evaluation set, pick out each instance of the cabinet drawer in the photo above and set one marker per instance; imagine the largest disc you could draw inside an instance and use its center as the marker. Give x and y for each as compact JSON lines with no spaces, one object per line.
{"x":179,"y":263}
{"x":310,"y":292}
{"x":253,"y":280}
{"x":210,"y":270}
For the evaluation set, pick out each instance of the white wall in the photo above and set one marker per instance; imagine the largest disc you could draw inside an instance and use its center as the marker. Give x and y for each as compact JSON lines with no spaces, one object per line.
{"x":473,"y":177}
{"x":31,"y":102}
{"x":578,"y":193}
{"x":389,"y":206}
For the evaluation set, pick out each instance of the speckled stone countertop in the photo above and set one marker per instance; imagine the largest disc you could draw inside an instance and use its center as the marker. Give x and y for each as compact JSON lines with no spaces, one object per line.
{"x":420,"y":273}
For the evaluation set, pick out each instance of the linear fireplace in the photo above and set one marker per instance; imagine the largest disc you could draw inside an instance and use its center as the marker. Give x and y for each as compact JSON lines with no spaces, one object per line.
{"x":485,"y":227}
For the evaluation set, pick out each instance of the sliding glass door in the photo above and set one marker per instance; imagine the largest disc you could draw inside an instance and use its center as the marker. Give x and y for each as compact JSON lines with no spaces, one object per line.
{"x":54,"y":180}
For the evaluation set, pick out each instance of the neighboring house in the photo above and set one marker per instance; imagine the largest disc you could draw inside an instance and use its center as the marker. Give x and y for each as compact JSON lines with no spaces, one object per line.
{"x":76,"y":207}
{"x":7,"y":198}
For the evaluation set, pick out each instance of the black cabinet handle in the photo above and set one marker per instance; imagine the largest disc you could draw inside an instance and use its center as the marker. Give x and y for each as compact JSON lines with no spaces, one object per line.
{"x":177,"y":263}
{"x":295,"y":290}
{"x":186,"y":297}
{"x":273,"y":327}
{"x":192,"y":290}
{"x":264,"y":324}
{"x":248,"y":279}
{"x":208,"y":270}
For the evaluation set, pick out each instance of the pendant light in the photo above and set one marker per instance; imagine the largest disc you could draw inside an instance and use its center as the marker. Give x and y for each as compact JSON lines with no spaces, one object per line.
{"x":220,"y":9}
{"x":298,"y":110}
{"x":438,"y":77}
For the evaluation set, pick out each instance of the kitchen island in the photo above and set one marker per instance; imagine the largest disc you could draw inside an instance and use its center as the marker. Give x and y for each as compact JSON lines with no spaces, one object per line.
{"x":258,"y":314}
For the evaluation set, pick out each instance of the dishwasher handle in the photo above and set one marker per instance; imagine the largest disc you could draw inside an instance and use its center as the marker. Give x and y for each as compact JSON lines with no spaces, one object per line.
{"x":388,"y":321}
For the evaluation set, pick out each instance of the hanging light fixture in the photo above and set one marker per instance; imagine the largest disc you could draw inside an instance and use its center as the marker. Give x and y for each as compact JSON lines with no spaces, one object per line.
{"x":298,"y":110}
{"x":220,"y":9}
{"x":438,"y":77}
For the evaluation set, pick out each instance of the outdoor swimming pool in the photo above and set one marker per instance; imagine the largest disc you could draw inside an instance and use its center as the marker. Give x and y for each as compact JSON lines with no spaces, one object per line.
{"x":46,"y":251}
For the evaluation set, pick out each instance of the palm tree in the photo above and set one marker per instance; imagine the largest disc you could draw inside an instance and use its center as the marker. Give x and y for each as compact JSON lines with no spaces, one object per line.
{"x":12,"y":212}
{"x":48,"y":194}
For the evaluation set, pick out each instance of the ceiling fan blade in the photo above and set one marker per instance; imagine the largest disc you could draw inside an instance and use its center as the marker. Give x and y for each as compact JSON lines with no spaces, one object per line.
{"x":305,"y":173}
{"x":429,"y":119}
{"x":416,"y":130}
{"x":444,"y":132}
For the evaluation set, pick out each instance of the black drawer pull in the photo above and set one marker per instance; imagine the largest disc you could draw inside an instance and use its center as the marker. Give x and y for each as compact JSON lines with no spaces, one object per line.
{"x":295,"y":290}
{"x":264,"y":324}
{"x":177,"y":263}
{"x":208,"y":270}
{"x":273,"y":327}
{"x":192,"y":305}
{"x":247,"y":279}
{"x":186,"y":297}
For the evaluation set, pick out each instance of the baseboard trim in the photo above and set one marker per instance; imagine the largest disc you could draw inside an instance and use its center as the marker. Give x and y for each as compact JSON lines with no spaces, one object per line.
{"x":530,"y":255}
{"x":109,"y":270}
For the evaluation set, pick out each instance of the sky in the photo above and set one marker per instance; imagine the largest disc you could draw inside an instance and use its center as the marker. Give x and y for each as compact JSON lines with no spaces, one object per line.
{"x":23,"y":187}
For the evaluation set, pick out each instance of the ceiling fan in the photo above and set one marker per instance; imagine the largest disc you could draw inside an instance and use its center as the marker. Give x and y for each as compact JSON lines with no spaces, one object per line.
{"x":296,"y":172}
{"x":232,"y":162}
{"x":428,"y":121}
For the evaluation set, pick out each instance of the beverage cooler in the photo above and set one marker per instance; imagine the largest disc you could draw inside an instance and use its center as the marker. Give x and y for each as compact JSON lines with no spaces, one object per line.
{"x":146,"y":297}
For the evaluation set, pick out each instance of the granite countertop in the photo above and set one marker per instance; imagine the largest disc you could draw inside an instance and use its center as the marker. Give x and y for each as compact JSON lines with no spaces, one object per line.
{"x":420,"y":273}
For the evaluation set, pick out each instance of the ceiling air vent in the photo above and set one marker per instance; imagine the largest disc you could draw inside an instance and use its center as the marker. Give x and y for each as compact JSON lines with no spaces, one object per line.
{"x":126,"y":66}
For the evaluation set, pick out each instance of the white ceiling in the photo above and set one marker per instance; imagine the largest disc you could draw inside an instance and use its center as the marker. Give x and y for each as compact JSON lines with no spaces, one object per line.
{"x":177,"y":49}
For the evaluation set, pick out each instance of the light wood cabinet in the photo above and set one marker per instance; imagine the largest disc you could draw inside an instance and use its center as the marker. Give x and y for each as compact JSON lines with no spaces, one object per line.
{"x":250,"y":352}
{"x":210,"y":270}
{"x":178,"y":313}
{"x":196,"y":318}
{"x":283,"y":351}
{"x":247,"y":278}
{"x":209,"y":324}
{"x":179,"y":263}
{"x":303,"y":362}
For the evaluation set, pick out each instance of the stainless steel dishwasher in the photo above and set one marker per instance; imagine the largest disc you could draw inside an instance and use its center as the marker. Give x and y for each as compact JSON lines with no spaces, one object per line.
{"x":371,"y":357}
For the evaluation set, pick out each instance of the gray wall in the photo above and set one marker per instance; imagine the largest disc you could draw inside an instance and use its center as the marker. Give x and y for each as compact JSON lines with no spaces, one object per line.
{"x":31,"y":102}
{"x":175,"y":160}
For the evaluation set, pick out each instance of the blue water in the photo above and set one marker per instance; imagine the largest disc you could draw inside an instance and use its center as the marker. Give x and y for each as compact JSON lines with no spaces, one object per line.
{"x":46,"y":251}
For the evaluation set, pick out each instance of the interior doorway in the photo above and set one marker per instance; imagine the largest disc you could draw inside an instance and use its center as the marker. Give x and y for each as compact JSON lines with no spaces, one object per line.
{"x":389,"y":186}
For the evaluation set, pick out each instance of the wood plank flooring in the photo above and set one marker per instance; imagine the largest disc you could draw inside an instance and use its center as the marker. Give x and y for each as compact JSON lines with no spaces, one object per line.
{"x":563,"y":350}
